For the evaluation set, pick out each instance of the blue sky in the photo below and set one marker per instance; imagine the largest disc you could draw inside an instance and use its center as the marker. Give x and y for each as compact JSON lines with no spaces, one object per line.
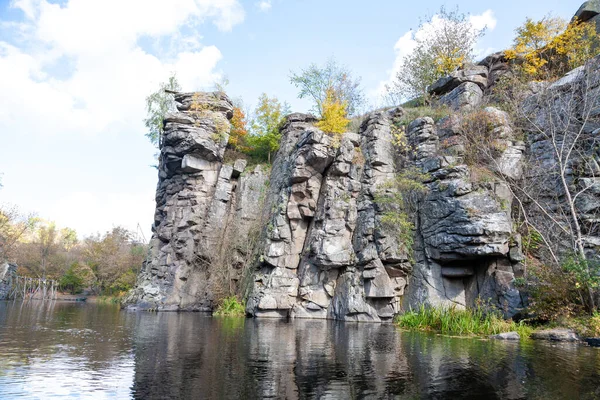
{"x":74,"y":75}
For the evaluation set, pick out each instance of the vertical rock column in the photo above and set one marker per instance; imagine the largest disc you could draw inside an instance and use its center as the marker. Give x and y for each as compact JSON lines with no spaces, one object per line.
{"x":191,"y":178}
{"x":463,"y":247}
{"x":296,"y":179}
{"x":372,"y":288}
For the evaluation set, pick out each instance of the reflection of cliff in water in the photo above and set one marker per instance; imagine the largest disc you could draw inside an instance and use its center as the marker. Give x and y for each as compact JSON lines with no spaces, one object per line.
{"x":178,"y":355}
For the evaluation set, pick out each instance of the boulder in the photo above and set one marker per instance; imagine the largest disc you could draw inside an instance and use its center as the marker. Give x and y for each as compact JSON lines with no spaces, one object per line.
{"x":465,"y":96}
{"x":588,"y":10}
{"x":556,"y":334}
{"x":506,"y":336}
{"x":476,"y":74}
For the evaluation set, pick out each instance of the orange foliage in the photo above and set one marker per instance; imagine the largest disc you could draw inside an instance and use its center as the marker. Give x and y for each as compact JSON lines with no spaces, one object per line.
{"x":239,"y":130}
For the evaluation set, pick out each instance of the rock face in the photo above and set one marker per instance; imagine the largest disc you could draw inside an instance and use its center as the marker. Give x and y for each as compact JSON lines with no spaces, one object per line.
{"x":327,"y":252}
{"x":323,"y":249}
{"x":464,"y":89}
{"x":7,"y":271}
{"x":588,"y":12}
{"x":205,"y":210}
{"x":463,"y":231}
{"x":315,"y":236}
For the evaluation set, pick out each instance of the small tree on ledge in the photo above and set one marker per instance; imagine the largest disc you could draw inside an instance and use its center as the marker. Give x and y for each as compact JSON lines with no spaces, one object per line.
{"x":334,"y":114}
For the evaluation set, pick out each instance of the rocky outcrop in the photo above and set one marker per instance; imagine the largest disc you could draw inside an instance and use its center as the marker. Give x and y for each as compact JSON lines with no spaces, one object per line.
{"x":464,"y":229}
{"x":328,"y":254}
{"x":464,"y":88}
{"x":588,"y":12}
{"x":7,"y":274}
{"x":205,"y":210}
{"x":324,"y":249}
{"x":316,"y":237}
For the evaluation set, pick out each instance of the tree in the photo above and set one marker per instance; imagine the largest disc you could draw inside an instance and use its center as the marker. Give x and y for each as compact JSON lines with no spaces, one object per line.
{"x":443,"y":43}
{"x":315,"y":82}
{"x":47,"y":236}
{"x":158,"y":104}
{"x":550,"y":47}
{"x":46,"y":251}
{"x":239,"y":129}
{"x":14,"y":226}
{"x":114,"y":258}
{"x":334,"y":114}
{"x":268,"y":116}
{"x":78,"y":276}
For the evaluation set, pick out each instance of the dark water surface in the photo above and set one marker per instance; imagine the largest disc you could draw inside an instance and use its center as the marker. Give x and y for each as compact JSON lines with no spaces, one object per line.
{"x":55,"y":350}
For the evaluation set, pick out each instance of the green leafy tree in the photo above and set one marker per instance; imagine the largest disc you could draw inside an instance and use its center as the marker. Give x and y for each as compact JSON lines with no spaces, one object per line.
{"x":114,"y":257}
{"x":76,"y":278}
{"x":444,"y":43}
{"x":158,"y":104}
{"x":315,"y":81}
{"x":264,"y":138}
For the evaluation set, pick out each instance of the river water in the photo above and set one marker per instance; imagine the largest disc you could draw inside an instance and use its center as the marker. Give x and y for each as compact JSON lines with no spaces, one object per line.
{"x":77,"y":350}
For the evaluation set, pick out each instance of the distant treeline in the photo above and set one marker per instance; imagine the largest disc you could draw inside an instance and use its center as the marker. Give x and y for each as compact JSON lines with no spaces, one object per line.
{"x":103,"y":263}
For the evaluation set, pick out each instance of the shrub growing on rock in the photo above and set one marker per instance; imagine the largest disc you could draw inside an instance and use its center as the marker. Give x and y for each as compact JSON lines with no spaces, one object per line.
{"x":398,"y":200}
{"x":264,"y":136}
{"x":334,"y":116}
{"x":316,"y":82}
{"x":443,"y":43}
{"x":550,"y":47}
{"x":239,"y":130}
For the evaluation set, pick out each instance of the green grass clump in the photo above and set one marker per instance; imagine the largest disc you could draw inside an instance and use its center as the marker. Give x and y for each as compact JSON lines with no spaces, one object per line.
{"x":412,"y":113}
{"x":454,"y":321}
{"x":231,"y":306}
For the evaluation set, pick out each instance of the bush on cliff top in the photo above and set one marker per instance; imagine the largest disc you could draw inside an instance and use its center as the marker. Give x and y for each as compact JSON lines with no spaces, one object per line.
{"x":319,"y":82}
{"x":264,"y":137}
{"x":549,"y":48}
{"x":334,"y":119}
{"x":443,"y":43}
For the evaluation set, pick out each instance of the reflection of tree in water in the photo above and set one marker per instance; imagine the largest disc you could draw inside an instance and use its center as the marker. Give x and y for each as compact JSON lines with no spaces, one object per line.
{"x":191,"y":355}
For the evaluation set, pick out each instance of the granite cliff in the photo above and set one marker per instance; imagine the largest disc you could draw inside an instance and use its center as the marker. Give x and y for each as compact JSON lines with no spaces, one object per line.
{"x":307,"y":237}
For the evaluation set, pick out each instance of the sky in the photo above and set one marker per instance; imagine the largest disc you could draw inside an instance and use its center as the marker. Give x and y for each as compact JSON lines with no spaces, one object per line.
{"x":74,"y":75}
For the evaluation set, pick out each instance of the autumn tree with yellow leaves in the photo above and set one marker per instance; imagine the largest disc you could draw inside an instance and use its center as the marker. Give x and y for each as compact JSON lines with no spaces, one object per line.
{"x":318,"y":81}
{"x":550,"y":47}
{"x":334,"y":115}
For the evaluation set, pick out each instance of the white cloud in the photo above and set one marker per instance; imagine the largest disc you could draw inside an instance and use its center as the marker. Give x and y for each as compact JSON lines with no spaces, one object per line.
{"x":111,"y":73}
{"x":407,"y":43}
{"x":83,"y":68}
{"x":264,"y":5}
{"x":483,"y":21}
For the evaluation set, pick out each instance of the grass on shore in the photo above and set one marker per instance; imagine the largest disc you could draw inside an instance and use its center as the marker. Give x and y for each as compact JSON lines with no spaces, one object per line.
{"x":232,"y":307}
{"x":454,"y":321}
{"x":114,"y":298}
{"x":584,"y":326}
